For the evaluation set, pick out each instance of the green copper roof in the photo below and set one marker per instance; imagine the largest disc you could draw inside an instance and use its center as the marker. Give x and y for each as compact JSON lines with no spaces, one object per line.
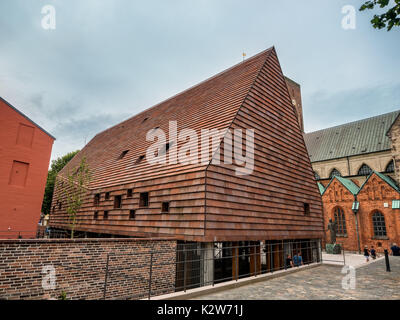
{"x":350,"y":185}
{"x":354,"y":138}
{"x":321,"y":188}
{"x":388,"y":180}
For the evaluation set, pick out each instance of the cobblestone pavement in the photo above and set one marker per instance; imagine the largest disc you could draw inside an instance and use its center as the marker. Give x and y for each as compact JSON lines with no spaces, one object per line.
{"x":323,"y":282}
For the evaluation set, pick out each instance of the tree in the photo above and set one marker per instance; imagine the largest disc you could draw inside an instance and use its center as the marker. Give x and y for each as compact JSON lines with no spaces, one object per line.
{"x":388,"y":19}
{"x":56,"y":166}
{"x":73,"y":189}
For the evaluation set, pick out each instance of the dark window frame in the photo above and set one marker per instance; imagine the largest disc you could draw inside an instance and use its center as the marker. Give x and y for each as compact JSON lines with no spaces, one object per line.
{"x":390,"y":167}
{"x":96,"y":200}
{"x":165,"y":207}
{"x":139,"y":159}
{"x":307,"y":208}
{"x":144,"y":199}
{"x":379,"y":225}
{"x":129,"y":193}
{"x":123,"y":154}
{"x":117,"y":201}
{"x":365,"y":170}
{"x":335,"y":173}
{"x":340,"y":218}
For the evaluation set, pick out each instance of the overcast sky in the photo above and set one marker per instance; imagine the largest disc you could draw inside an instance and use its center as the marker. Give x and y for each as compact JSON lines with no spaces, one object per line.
{"x":110,"y":59}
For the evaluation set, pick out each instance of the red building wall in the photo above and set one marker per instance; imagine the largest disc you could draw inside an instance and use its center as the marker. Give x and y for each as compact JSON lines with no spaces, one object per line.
{"x":24,"y":160}
{"x":375,"y":195}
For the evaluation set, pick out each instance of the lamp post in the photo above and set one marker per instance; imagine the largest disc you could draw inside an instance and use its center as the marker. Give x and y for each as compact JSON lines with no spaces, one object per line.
{"x":356,"y":206}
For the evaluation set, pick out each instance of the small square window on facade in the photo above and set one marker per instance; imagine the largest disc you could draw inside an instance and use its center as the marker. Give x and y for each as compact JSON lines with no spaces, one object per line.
{"x":96,"y":215}
{"x":165,"y":207}
{"x":117,"y":202}
{"x":129,"y":193}
{"x":132,"y":214}
{"x":107,"y":196}
{"x":306,"y":208}
{"x":144,"y":199}
{"x":105,"y":216}
{"x":96,"y":200}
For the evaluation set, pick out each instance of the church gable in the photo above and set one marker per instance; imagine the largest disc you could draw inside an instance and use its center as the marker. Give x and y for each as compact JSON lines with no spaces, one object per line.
{"x":337,"y":192}
{"x":378,"y":187}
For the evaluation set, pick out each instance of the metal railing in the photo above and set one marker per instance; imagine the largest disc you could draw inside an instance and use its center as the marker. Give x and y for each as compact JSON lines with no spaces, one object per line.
{"x":194,"y":265}
{"x":341,"y":257}
{"x":40,"y":233}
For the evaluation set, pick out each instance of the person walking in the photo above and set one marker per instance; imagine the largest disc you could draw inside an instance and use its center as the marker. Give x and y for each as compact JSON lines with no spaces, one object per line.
{"x":395,"y":250}
{"x":373,"y":253}
{"x":366,"y":253}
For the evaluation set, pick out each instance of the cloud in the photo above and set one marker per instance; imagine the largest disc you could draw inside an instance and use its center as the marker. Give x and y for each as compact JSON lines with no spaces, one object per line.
{"x":325,"y":109}
{"x":108,"y":60}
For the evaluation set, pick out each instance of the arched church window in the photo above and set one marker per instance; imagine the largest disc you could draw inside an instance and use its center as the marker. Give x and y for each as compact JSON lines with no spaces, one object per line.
{"x":390,"y":167}
{"x":364,"y":170}
{"x":340,"y":221}
{"x":335,"y":173}
{"x":378,"y":220}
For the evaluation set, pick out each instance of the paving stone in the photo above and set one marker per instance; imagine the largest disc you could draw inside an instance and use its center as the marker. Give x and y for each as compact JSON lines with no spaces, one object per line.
{"x":323,"y":282}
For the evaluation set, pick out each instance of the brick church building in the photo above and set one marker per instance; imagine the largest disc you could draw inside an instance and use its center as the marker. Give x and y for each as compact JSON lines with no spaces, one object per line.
{"x":275,"y":206}
{"x":357,"y":169}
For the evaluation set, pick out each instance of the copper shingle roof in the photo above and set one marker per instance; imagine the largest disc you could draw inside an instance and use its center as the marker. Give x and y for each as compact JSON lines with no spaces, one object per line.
{"x":212,"y":104}
{"x":350,"y":139}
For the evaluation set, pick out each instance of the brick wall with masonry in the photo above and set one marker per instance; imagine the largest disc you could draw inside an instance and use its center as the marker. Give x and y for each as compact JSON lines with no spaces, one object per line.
{"x":80,"y":268}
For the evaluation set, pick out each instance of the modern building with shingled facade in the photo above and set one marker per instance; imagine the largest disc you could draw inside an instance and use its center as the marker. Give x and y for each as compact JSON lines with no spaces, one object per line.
{"x":276,"y":207}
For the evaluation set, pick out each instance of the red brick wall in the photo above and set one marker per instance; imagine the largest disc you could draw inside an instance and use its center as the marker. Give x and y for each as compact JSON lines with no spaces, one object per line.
{"x":80,"y":267}
{"x":21,"y":193}
{"x":372,"y":198}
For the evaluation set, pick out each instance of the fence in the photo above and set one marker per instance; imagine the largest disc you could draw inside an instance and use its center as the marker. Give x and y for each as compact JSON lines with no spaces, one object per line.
{"x":40,"y":233}
{"x":339,"y":259}
{"x":204,"y":264}
{"x":140,"y":268}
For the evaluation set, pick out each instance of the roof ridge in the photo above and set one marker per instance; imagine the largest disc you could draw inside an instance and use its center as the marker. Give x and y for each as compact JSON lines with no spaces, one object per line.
{"x":26,"y":117}
{"x":339,"y":178}
{"x":355,"y":121}
{"x":190,"y":88}
{"x":245,"y":98}
{"x":342,"y":180}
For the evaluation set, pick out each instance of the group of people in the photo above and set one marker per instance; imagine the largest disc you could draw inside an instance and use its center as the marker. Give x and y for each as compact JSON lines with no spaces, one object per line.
{"x":372,"y":252}
{"x":297,"y":261}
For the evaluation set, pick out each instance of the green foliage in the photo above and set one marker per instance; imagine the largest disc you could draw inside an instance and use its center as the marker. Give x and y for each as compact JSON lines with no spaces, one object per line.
{"x":63,"y":296}
{"x":388,"y":19}
{"x":56,"y":166}
{"x":73,"y":188}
